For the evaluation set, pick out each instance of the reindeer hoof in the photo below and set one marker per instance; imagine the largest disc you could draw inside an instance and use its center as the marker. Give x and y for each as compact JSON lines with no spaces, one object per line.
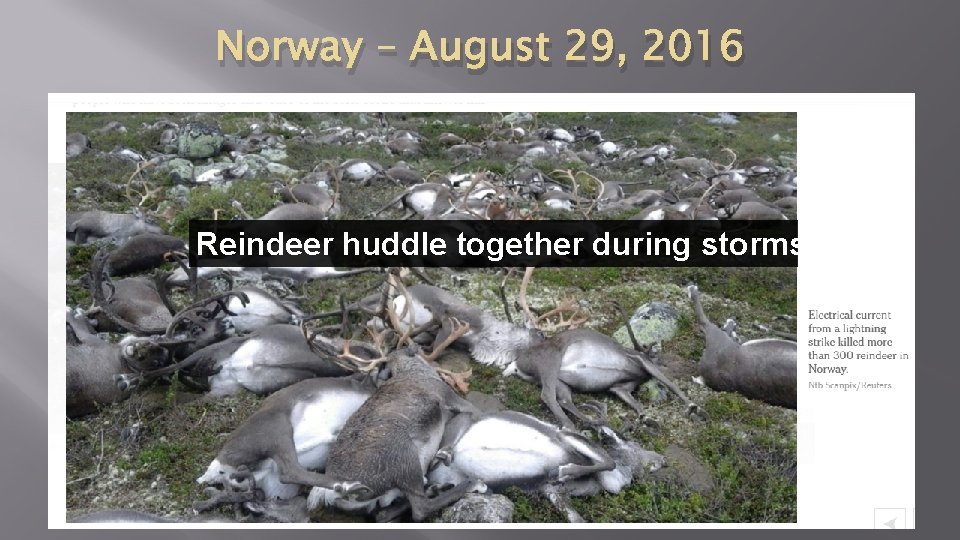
{"x":563,"y":473}
{"x":650,"y":423}
{"x":696,"y":411}
{"x":443,"y":455}
{"x":124,"y":382}
{"x":354,"y":490}
{"x":479,"y":486}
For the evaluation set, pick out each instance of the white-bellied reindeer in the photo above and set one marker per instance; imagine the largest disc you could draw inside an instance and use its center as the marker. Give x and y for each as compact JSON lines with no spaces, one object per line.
{"x":584,"y":360}
{"x":512,"y":449}
{"x":574,"y":359}
{"x":764,"y":369}
{"x":280,"y":448}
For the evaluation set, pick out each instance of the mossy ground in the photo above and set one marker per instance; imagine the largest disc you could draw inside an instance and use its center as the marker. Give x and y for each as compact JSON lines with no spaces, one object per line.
{"x":748,"y":447}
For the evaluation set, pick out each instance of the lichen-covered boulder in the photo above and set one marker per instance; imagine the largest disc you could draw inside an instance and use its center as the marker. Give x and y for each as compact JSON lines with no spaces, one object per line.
{"x":653,"y":322}
{"x":479,"y":508}
{"x":198,"y":140}
{"x":179,"y":170}
{"x":274,"y":154}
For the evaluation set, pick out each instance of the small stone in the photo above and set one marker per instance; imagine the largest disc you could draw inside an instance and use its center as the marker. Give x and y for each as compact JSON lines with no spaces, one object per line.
{"x":280,"y":169}
{"x":479,"y":508}
{"x":685,"y":469}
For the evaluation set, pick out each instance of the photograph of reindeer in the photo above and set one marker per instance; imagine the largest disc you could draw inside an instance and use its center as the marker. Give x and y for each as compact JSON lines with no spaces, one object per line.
{"x":403,"y":394}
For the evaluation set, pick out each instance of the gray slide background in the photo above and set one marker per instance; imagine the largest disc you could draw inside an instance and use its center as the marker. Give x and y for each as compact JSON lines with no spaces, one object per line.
{"x":169,"y":46}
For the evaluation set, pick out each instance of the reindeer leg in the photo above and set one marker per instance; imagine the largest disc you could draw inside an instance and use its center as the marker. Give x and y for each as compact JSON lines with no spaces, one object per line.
{"x":654,"y":371}
{"x":393,"y":512}
{"x":599,"y":459}
{"x":423,"y":506}
{"x":624,"y":391}
{"x":222,"y":497}
{"x":548,"y":394}
{"x":565,"y":399}
{"x":291,"y":472}
{"x":561,"y":503}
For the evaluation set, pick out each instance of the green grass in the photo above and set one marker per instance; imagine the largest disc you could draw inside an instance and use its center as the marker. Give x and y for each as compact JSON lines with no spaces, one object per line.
{"x":748,"y":448}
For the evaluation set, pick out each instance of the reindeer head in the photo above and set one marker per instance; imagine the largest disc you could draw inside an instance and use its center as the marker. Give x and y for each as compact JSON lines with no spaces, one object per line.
{"x":237,"y":478}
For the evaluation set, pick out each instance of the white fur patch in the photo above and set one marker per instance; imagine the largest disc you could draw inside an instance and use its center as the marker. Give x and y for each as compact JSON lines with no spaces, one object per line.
{"x":656,"y":215}
{"x":238,"y":371}
{"x":422,"y":201}
{"x":495,"y":449}
{"x":317,"y":423}
{"x":361,"y":171}
{"x":559,"y":204}
{"x":608,"y":148}
{"x":421,"y":315}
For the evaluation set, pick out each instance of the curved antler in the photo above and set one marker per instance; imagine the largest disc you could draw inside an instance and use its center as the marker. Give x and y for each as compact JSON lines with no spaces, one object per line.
{"x":220,"y":300}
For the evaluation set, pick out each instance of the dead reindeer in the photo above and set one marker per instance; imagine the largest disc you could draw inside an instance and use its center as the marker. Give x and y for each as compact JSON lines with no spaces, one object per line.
{"x":97,"y":225}
{"x":512,"y":449}
{"x":292,"y":511}
{"x":291,"y":211}
{"x":388,"y":444}
{"x":279,"y":448}
{"x":575,"y":359}
{"x":584,"y":360}
{"x":91,"y":363}
{"x":192,"y":329}
{"x":264,"y":361}
{"x":135,"y":305}
{"x":764,"y":369}
{"x":143,"y":252}
{"x":489,"y":340}
{"x":312,"y":194}
{"x":261,"y":309}
{"x":426,"y":200}
{"x":751,"y":211}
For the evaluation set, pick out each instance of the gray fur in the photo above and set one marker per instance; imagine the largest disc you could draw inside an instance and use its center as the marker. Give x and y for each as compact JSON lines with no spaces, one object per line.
{"x":760,"y":369}
{"x":91,"y":363}
{"x":588,"y":361}
{"x":263,"y":447}
{"x":97,"y":224}
{"x":388,"y":443}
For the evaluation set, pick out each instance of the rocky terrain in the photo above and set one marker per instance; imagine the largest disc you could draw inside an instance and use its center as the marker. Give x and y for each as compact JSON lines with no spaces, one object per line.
{"x":145,"y":453}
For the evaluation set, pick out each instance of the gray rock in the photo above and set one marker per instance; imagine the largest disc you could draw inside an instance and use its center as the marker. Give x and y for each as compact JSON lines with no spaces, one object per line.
{"x":515,"y":118}
{"x":724,"y":119}
{"x":255,"y":163}
{"x":479,"y":508}
{"x":685,"y":469}
{"x":76,"y":144}
{"x":178,"y":169}
{"x":274,"y":154}
{"x":653,"y":322}
{"x":199,"y":140}
{"x":280,"y":169}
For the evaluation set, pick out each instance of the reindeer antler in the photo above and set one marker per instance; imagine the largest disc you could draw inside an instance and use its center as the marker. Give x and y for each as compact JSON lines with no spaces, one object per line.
{"x":147,"y":192}
{"x":459,"y":329}
{"x":567,"y":305}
